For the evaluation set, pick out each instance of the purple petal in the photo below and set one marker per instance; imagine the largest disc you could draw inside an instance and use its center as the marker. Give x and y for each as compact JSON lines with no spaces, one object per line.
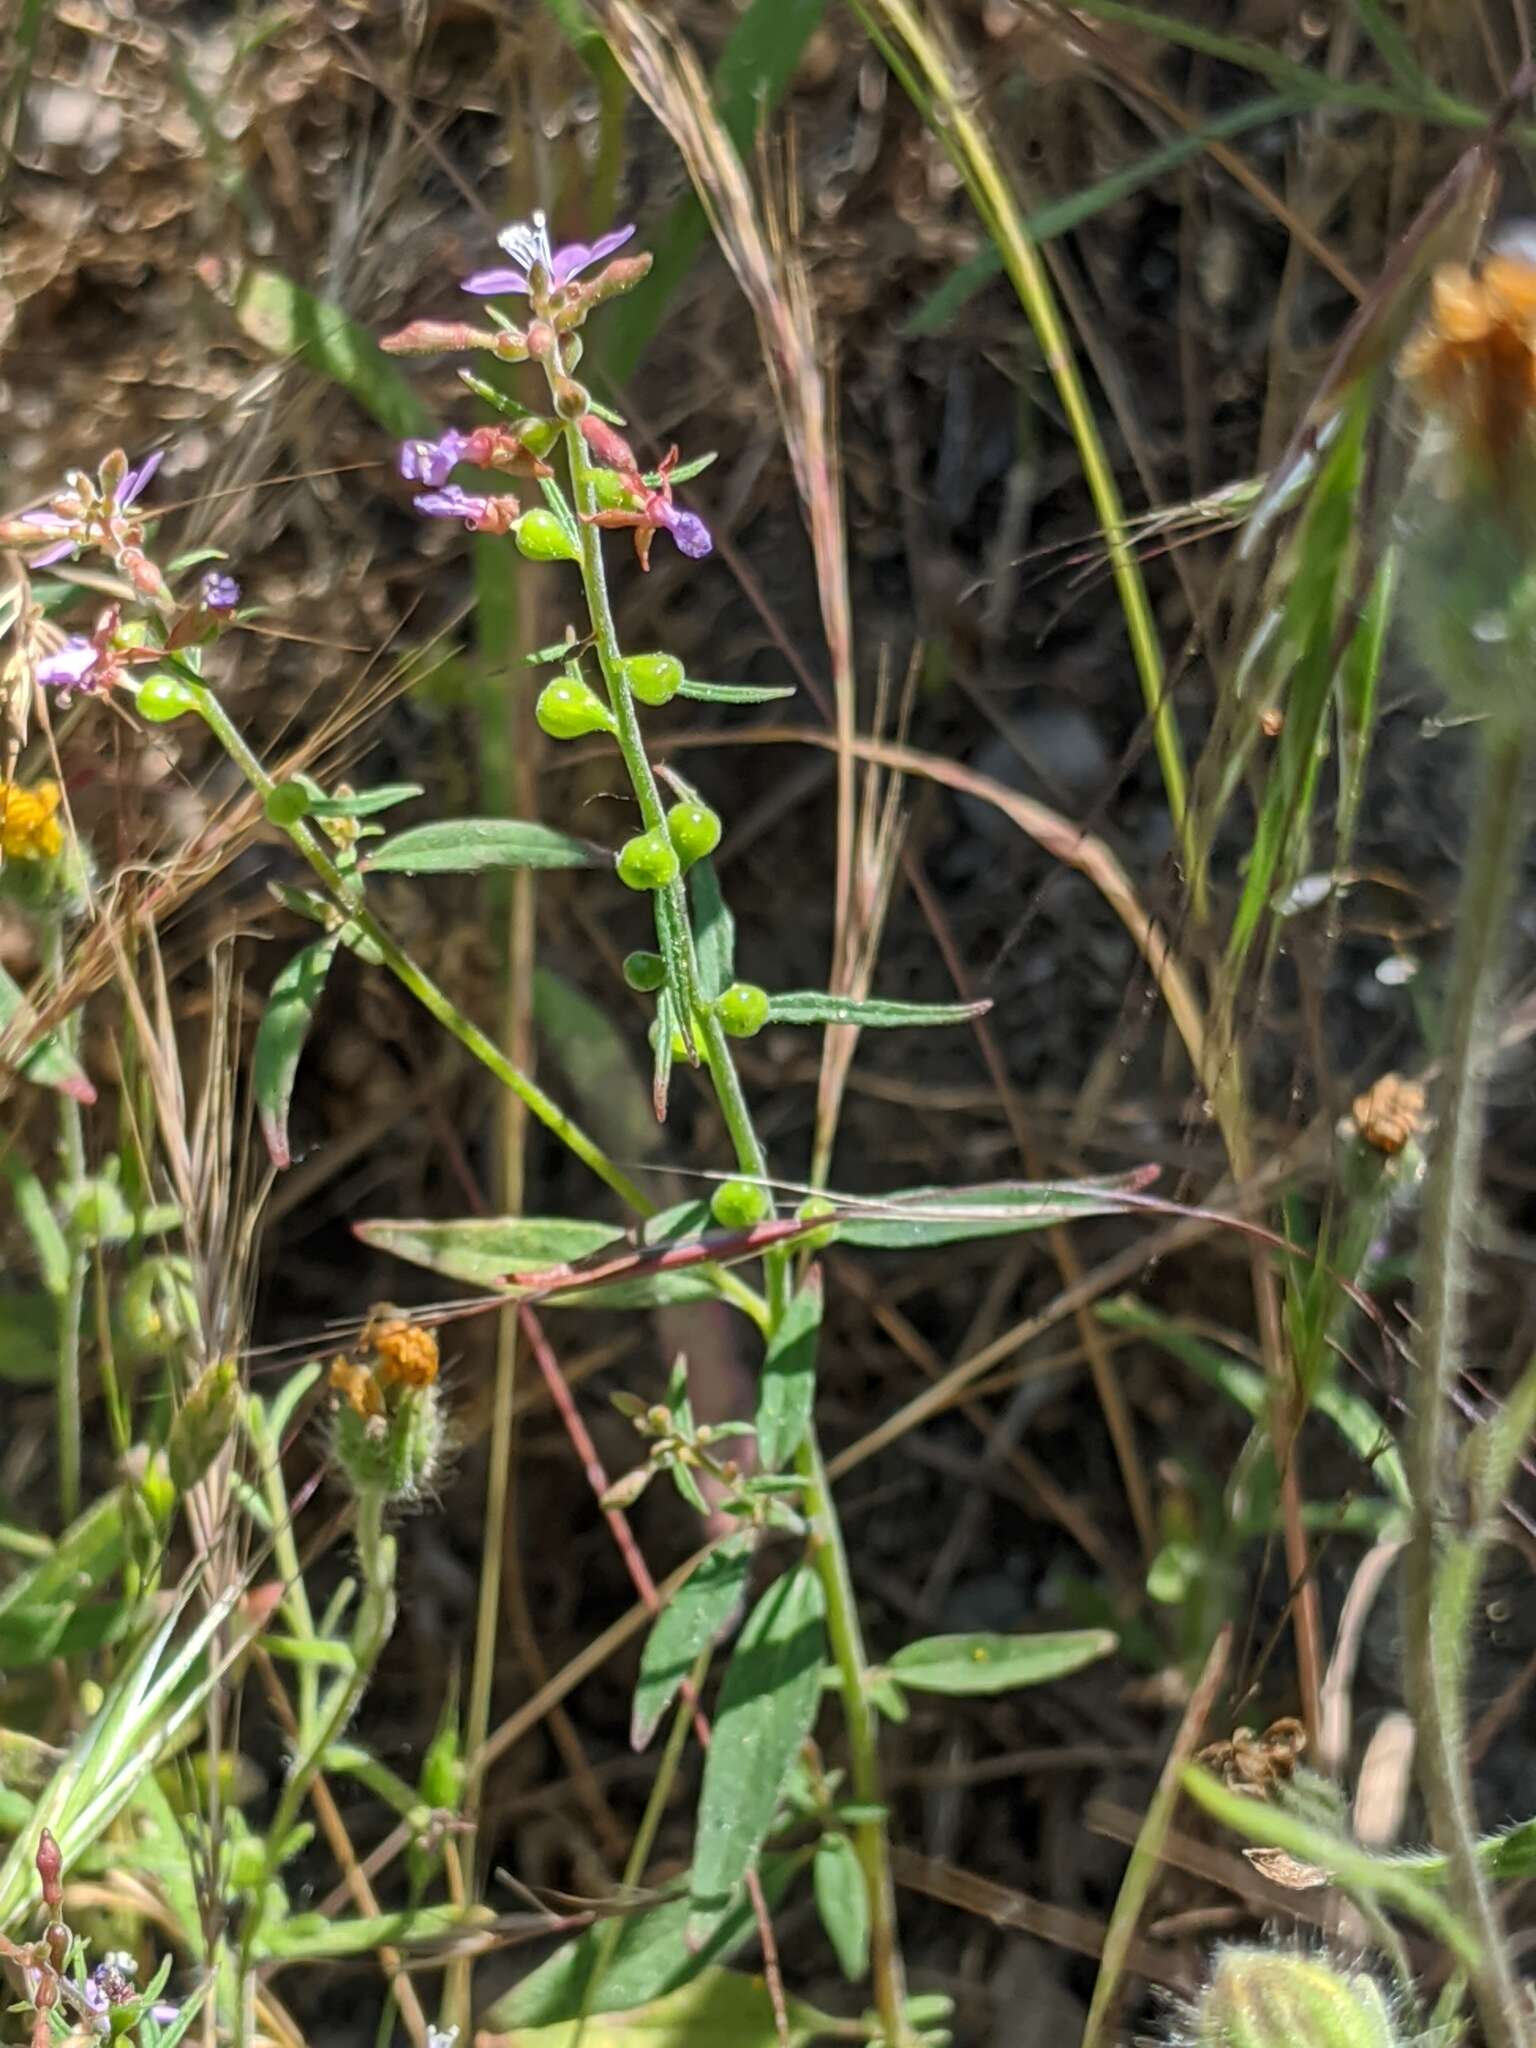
{"x":219,"y":592}
{"x":691,"y":534}
{"x":452,"y":503}
{"x":54,"y":554}
{"x":70,"y":666}
{"x":494,"y":284}
{"x":136,"y":479}
{"x":431,"y":462}
{"x":575,"y":257}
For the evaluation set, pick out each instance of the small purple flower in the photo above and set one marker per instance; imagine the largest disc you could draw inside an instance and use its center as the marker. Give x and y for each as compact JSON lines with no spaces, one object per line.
{"x":218,"y":592}
{"x":432,"y":462}
{"x":452,"y":502}
{"x":72,"y":667}
{"x":56,"y":550}
{"x":689,"y":531}
{"x":133,"y":483}
{"x":527,"y":243}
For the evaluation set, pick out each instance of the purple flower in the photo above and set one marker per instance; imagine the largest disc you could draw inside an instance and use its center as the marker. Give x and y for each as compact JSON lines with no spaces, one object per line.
{"x":689,"y":531}
{"x":72,"y":667}
{"x":431,"y":462}
{"x":453,"y":503}
{"x":134,"y":482}
{"x":527,"y":243}
{"x":56,"y":550}
{"x":218,"y":592}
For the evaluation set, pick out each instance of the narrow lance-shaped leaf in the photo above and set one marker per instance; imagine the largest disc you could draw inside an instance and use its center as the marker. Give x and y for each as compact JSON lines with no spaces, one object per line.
{"x":984,"y":1662}
{"x":714,"y":931}
{"x":842,"y":1902}
{"x":920,"y":1217}
{"x":48,"y":1062}
{"x":285,"y":1025}
{"x":473,"y":846}
{"x":766,"y":1709}
{"x":815,"y":1006}
{"x":696,"y":1616}
{"x":788,"y":1386}
{"x":734,"y":693}
{"x":290,"y":322}
{"x":486,"y":1251}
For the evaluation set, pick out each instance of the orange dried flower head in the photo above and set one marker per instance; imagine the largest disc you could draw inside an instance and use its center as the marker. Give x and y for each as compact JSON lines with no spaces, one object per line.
{"x":1389,"y":1113}
{"x":357,"y":1387}
{"x":407,"y":1355}
{"x":1473,"y":362}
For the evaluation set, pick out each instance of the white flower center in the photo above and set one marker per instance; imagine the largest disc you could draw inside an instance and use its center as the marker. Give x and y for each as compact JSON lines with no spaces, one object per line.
{"x":527,"y":243}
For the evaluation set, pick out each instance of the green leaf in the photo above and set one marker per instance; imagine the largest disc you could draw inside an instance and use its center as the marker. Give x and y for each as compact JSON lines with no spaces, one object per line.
{"x":986,"y":1663}
{"x":920,"y":1217}
{"x":363,"y":803}
{"x":484,"y":1250}
{"x":650,"y":1958}
{"x":1059,"y":218}
{"x":767,"y":1708}
{"x":311,"y":1937}
{"x":29,"y":1340}
{"x":812,"y":1006}
{"x":716,"y":2009}
{"x":290,"y":323}
{"x":732,"y":693}
{"x":472,"y":846}
{"x":48,"y":1062}
{"x":842,"y":1901}
{"x":714,"y":931}
{"x":696,"y":1616}
{"x":285,"y":1024}
{"x":788,"y":1386}
{"x":35,"y":1212}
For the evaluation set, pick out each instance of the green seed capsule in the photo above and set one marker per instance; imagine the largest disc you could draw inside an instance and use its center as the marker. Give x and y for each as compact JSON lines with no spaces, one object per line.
{"x":694,"y":829}
{"x":647,"y":862}
{"x":743,"y":1009}
{"x":162,"y":698}
{"x":654,"y":678}
{"x":646,"y":972}
{"x":738,"y":1204}
{"x":812,"y":1209}
{"x":568,"y":709}
{"x":287,"y":803}
{"x":541,"y":538}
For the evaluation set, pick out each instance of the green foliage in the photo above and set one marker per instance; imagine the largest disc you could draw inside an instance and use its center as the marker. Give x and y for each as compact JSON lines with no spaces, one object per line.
{"x":694,"y":1618}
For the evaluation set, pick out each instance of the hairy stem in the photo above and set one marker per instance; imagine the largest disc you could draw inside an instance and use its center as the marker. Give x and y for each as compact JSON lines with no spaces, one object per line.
{"x":71,"y":1303}
{"x":1435,"y":1663}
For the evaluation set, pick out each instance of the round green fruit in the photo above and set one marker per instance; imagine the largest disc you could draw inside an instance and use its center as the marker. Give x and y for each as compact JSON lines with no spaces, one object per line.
{"x":694,"y":829}
{"x":743,"y":1009}
{"x":162,"y":698}
{"x":738,"y":1204}
{"x":653,"y":678}
{"x":541,"y":538}
{"x":567,"y":710}
{"x":647,"y":862}
{"x":646,"y":972}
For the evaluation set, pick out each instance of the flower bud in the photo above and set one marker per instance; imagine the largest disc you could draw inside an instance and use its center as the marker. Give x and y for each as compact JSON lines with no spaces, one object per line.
{"x":653,"y":678}
{"x":647,"y":862}
{"x":571,"y":401}
{"x":1274,"y":1998}
{"x":540,"y":537}
{"x":431,"y":337}
{"x":397,"y":1453}
{"x":568,"y":709}
{"x":50,"y":1871}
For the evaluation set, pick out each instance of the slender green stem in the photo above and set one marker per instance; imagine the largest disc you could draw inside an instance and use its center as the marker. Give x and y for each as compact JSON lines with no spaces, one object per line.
{"x":1434,"y":1663}
{"x":870,"y":1837}
{"x":71,"y":1303}
{"x":414,"y":978}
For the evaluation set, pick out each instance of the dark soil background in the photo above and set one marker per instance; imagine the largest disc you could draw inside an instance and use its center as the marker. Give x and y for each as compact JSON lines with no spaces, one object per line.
{"x":370,"y":152}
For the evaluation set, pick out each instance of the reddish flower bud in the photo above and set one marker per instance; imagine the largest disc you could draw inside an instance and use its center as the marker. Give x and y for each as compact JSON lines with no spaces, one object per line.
{"x":431,"y":337}
{"x":50,"y":1870}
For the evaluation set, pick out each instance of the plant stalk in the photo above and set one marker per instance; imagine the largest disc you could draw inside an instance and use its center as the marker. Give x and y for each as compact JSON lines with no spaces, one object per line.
{"x":1434,"y":1664}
